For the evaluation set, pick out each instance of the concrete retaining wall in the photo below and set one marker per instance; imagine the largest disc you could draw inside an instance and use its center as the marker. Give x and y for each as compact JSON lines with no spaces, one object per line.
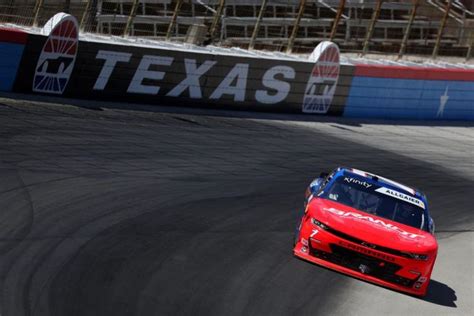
{"x":178,"y":76}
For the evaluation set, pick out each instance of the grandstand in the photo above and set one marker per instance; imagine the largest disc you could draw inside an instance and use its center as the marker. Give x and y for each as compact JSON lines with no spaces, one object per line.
{"x":240,"y":16}
{"x":360,"y":26}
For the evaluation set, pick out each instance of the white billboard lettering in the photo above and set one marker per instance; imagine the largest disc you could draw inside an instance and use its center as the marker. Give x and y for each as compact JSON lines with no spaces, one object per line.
{"x":144,"y":72}
{"x":191,"y":82}
{"x":111,"y":60}
{"x":269,"y":81}
{"x":239,"y":74}
{"x":274,"y":86}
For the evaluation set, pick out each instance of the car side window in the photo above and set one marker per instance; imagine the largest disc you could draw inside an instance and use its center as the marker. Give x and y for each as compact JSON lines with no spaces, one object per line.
{"x":325,"y":183}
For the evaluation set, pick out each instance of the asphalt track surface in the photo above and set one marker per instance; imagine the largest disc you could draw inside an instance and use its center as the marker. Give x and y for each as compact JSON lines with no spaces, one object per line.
{"x":119,"y":212}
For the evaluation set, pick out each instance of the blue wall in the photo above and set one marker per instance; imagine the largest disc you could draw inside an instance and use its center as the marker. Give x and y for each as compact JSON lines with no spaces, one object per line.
{"x":10,"y":57}
{"x":371,"y":97}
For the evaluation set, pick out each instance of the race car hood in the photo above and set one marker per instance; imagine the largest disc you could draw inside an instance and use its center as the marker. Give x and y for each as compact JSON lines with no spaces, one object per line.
{"x":371,"y":228}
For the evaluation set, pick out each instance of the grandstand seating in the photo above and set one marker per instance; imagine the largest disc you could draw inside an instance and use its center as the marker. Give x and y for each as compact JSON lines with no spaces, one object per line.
{"x":240,"y":16}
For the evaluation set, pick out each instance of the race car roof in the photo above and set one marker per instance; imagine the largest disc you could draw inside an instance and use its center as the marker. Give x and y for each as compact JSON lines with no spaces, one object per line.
{"x":384,"y":181}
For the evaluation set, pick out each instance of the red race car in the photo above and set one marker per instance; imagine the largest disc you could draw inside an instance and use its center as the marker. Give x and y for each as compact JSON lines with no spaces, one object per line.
{"x":369,"y":227}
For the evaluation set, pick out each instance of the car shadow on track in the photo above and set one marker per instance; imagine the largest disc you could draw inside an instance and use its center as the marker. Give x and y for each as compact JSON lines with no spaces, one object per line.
{"x":441,"y":294}
{"x":438,"y":293}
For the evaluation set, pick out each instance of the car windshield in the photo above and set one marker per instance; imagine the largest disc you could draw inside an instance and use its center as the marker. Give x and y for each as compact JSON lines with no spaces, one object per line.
{"x":368,"y":197}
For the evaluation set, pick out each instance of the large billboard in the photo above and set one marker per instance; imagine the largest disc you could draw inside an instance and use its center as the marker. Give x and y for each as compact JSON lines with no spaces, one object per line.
{"x":133,"y":73}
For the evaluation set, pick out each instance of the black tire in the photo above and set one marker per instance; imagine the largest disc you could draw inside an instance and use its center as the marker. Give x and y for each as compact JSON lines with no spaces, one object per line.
{"x":297,"y":234}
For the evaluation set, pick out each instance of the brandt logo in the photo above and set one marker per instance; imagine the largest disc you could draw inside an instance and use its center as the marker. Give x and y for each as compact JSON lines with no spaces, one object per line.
{"x":57,"y":58}
{"x":374,"y":221}
{"x":323,"y":79}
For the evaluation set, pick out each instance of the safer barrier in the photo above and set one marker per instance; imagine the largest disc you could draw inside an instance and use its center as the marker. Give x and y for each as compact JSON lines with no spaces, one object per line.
{"x":57,"y":62}
{"x":176,"y":76}
{"x":411,"y":93}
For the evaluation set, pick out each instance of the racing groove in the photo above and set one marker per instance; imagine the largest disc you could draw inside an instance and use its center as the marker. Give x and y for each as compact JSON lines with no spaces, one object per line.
{"x":137,"y":213}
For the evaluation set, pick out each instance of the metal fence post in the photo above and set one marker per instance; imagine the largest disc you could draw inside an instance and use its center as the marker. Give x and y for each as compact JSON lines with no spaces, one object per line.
{"x":131,"y":17}
{"x":85,"y":15}
{"x":403,"y":46}
{"x":217,"y":18}
{"x":294,"y":32}
{"x":173,"y":19}
{"x":257,"y":24}
{"x":36,"y":10}
{"x":370,"y":32}
{"x":342,"y":5}
{"x":441,"y":29}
